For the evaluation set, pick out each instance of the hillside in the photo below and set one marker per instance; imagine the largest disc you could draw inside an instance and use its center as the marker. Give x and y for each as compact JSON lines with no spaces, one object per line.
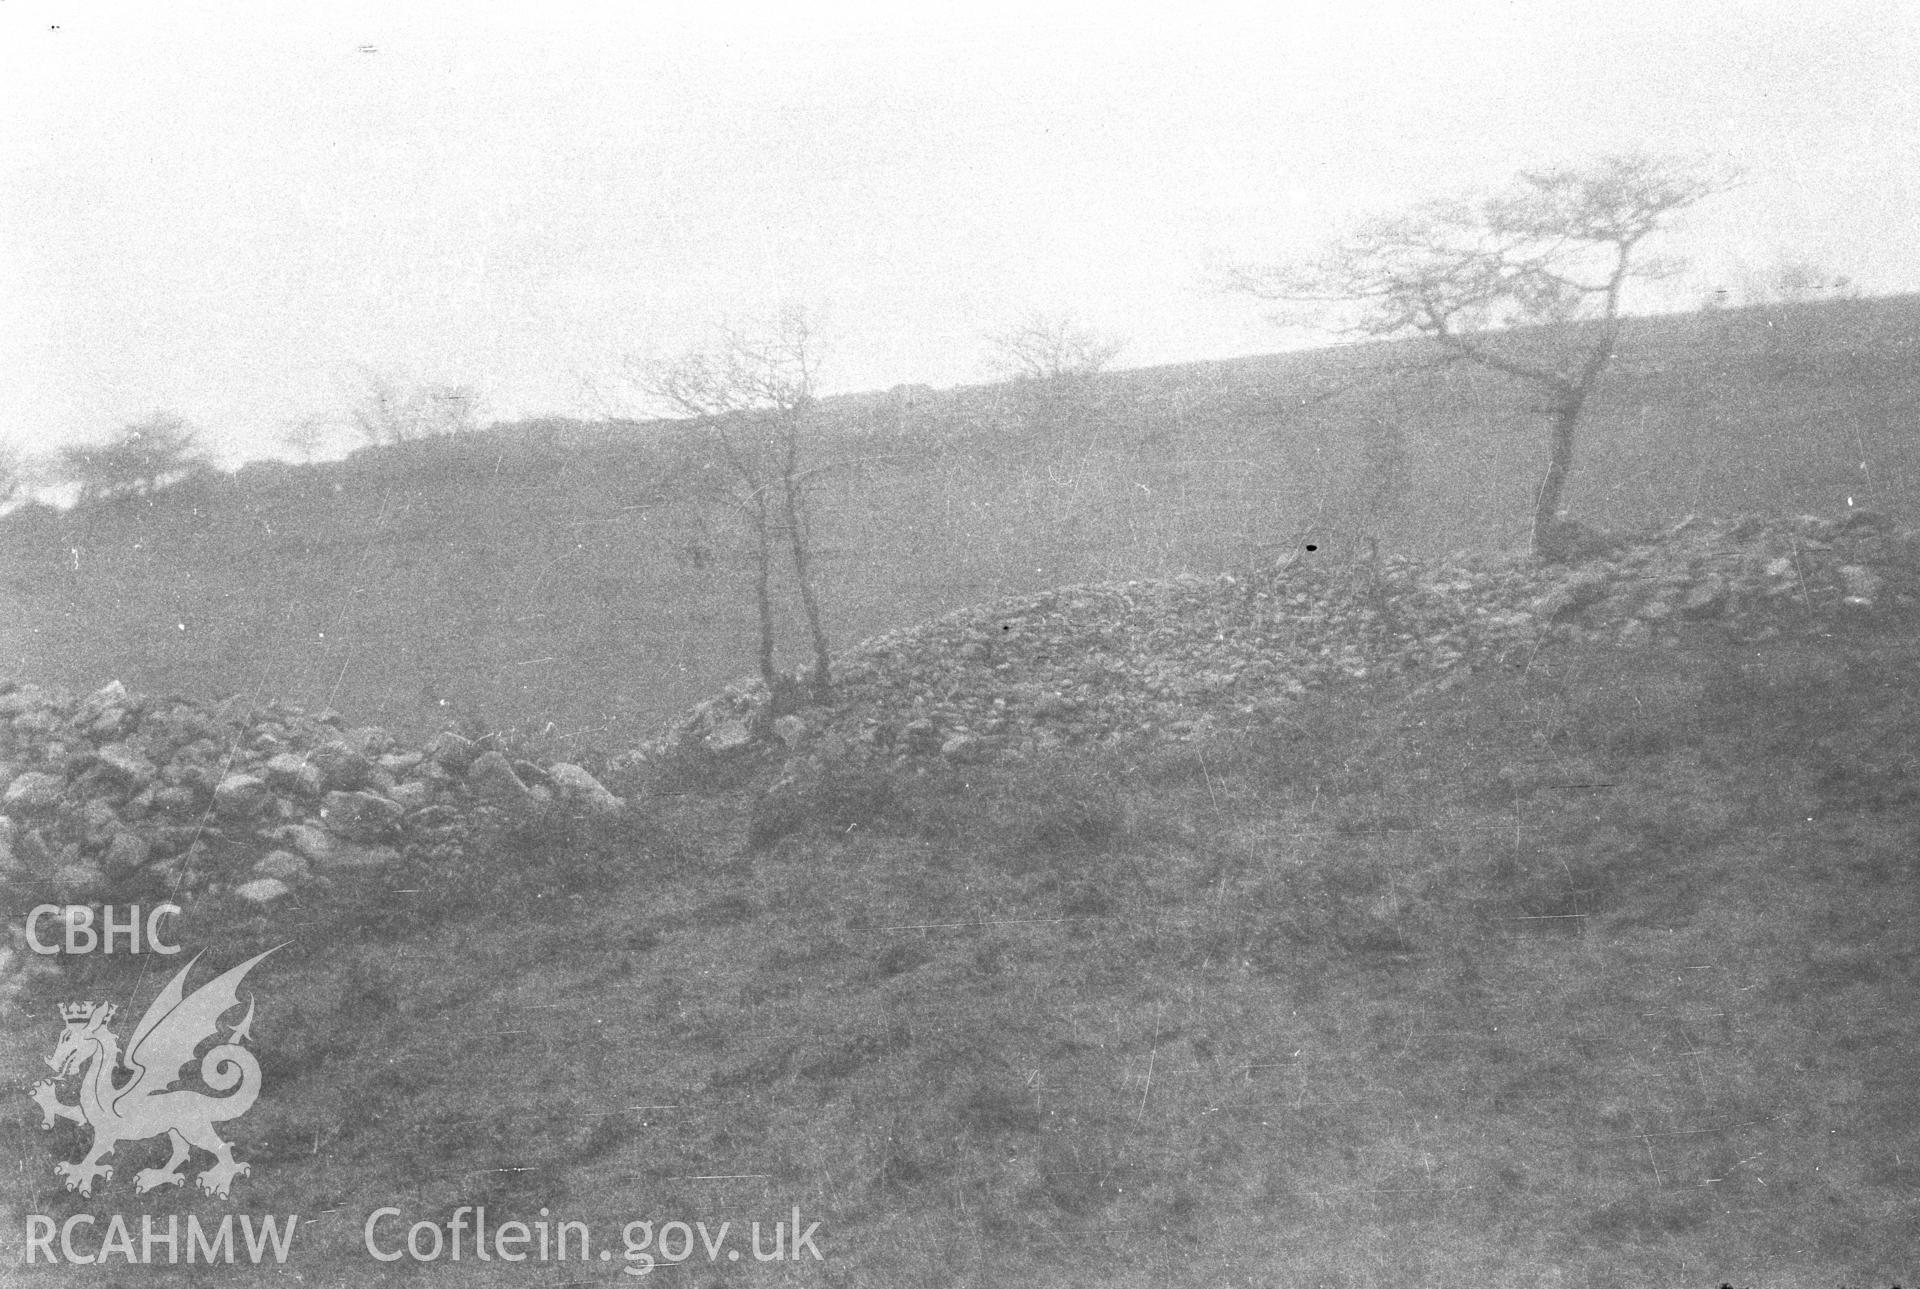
{"x":535,"y":578}
{"x":1510,"y":925}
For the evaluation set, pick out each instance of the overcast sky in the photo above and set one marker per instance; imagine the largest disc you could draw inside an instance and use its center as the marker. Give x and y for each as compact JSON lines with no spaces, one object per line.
{"x":232,"y":210}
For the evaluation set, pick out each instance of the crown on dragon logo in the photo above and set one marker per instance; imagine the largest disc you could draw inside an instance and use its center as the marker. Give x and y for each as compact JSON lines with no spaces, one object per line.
{"x":73,"y":1012}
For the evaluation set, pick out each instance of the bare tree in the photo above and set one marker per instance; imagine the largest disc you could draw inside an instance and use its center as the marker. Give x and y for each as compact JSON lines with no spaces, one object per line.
{"x":749,"y":402}
{"x":1527,"y":282}
{"x":309,"y":434}
{"x":396,"y":409}
{"x":141,"y":459}
{"x":13,"y":473}
{"x":1046,"y":347}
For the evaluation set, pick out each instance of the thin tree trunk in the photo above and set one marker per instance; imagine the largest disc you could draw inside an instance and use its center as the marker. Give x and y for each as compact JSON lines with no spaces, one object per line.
{"x":799,"y":541}
{"x":763,"y":597}
{"x":1553,"y":485}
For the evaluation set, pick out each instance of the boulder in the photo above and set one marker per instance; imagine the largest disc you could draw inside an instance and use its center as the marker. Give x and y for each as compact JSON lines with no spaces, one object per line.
{"x":450,"y":751}
{"x":343,"y":768}
{"x":962,"y":748}
{"x":316,"y":844}
{"x":126,"y":768}
{"x":371,"y":740}
{"x":922,"y":736}
{"x":263,"y":890}
{"x":728,"y":736}
{"x":282,"y":865}
{"x":360,"y":816}
{"x":492,"y":779}
{"x":32,"y":850}
{"x":33,"y":793}
{"x":241,"y":796}
{"x":127,"y":852}
{"x":411,"y":795}
{"x":176,"y":799}
{"x":578,"y":787}
{"x":291,"y":772}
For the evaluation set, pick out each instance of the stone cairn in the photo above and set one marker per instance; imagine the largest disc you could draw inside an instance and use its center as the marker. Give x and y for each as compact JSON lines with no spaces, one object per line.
{"x":1188,"y":657}
{"x":114,"y":791}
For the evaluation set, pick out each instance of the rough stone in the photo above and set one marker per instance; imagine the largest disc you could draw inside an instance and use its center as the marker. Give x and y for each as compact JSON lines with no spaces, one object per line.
{"x":491,"y":777}
{"x":33,"y":792}
{"x":316,"y":844}
{"x":961,"y":748}
{"x":729,"y":736}
{"x":126,"y":768}
{"x":411,"y":795}
{"x":283,"y":865}
{"x":921,"y":735}
{"x":578,"y":787}
{"x":263,"y":890}
{"x":343,"y":768}
{"x":77,"y":881}
{"x":99,"y":821}
{"x":35,"y":854}
{"x":291,"y":772}
{"x":371,"y":740}
{"x":240,"y":796}
{"x":176,"y":799}
{"x":450,"y":751}
{"x":127,"y":852}
{"x":360,"y":816}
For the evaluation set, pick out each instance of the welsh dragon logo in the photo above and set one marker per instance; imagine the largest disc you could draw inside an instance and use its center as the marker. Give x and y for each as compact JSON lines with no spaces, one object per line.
{"x":143,"y":1106}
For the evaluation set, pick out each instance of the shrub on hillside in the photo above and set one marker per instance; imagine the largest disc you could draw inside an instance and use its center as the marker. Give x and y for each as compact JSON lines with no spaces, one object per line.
{"x":140,"y":460}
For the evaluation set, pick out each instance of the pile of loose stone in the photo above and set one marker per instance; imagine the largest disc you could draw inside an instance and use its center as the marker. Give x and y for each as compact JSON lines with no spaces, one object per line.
{"x":115,"y":792}
{"x":1184,"y":658}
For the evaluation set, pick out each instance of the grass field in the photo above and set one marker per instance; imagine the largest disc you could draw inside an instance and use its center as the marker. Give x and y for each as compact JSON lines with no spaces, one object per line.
{"x":1582,"y":973}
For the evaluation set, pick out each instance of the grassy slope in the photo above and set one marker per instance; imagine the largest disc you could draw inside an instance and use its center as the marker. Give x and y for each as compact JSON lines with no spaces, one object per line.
{"x":1597,"y":970}
{"x":526,"y":577}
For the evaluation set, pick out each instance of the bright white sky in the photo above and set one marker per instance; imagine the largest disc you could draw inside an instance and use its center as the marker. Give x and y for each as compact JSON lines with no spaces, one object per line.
{"x":231,"y":208}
